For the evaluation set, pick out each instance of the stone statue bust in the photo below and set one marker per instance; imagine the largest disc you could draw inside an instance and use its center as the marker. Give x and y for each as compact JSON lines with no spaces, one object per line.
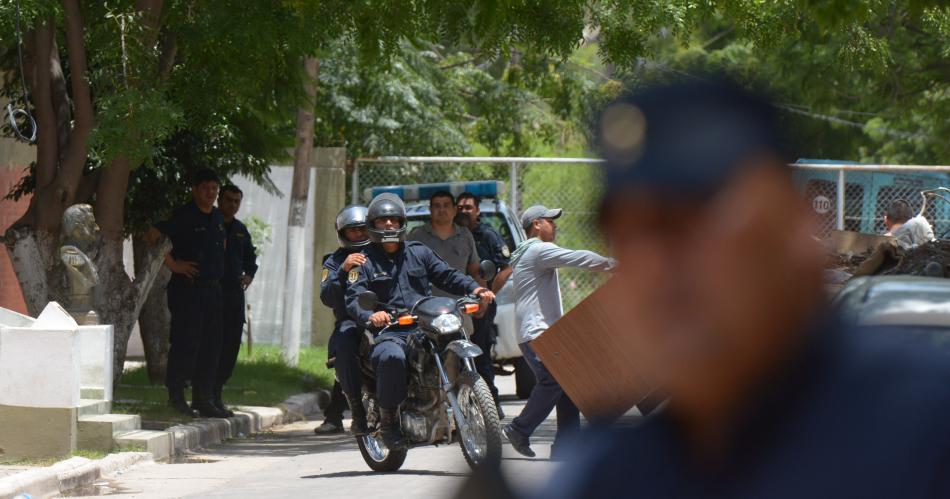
{"x":80,"y":237}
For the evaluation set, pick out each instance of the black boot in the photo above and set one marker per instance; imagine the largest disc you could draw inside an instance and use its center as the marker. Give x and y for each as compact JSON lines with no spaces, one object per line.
{"x":218,"y":403}
{"x":390,"y":430}
{"x":176,"y":400}
{"x":358,"y":412}
{"x":202,"y":403}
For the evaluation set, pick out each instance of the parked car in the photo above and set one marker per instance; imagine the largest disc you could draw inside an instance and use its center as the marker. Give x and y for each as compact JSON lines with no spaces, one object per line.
{"x":496,"y":213}
{"x":916,"y":308}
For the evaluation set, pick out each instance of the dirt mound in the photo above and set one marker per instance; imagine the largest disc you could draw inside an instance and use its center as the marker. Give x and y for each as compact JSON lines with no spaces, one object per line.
{"x":931,"y":259}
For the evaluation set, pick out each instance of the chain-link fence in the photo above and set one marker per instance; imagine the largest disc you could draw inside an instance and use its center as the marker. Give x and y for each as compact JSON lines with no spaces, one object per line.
{"x":574,"y":185}
{"x":867,"y":192}
{"x":569,"y":183}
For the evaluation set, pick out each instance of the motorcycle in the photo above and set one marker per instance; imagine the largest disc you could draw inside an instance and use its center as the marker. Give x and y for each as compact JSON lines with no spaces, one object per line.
{"x":447,"y":400}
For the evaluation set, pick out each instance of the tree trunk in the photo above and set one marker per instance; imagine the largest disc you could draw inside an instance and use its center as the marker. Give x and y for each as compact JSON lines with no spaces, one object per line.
{"x":293,"y":292}
{"x":119,"y":299}
{"x":32,"y":255}
{"x":154,"y":319}
{"x":115,"y":302}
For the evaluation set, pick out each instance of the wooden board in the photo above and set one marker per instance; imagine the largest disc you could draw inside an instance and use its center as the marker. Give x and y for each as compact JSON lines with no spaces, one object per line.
{"x":594,"y":358}
{"x":856,"y":243}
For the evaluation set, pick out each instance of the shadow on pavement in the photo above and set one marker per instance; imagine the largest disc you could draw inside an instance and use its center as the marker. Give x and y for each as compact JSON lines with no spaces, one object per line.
{"x":353,"y":474}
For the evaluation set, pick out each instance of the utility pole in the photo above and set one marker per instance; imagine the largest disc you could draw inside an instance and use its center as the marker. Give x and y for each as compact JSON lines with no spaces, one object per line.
{"x":293,"y":290}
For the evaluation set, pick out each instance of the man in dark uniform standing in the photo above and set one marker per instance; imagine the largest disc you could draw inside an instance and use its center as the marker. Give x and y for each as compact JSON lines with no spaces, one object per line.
{"x":239,"y":269}
{"x":198,"y":238}
{"x":399,"y":272}
{"x":490,"y":246}
{"x":344,"y":346}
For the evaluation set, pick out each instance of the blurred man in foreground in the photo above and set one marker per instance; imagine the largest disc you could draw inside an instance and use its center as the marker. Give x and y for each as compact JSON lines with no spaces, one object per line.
{"x":769,"y":395}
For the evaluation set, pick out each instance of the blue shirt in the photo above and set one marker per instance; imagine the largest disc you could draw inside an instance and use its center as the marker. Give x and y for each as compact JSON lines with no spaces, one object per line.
{"x":402,"y":279}
{"x":197,"y":237}
{"x":241,"y":254}
{"x":333,"y":287}
{"x":491,"y":246}
{"x":855,"y":415}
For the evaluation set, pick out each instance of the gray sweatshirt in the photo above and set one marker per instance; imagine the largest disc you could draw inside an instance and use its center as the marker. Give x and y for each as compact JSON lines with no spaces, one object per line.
{"x":536,"y":287}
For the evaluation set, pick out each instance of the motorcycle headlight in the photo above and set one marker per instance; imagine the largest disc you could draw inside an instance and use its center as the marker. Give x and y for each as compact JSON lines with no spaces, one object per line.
{"x":447,"y":323}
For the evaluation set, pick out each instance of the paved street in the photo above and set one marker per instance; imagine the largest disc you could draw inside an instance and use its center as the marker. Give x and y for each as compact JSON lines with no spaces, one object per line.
{"x":293,"y":462}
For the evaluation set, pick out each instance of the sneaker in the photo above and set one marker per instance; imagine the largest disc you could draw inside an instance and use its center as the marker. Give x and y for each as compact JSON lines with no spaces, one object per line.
{"x":518,"y":441}
{"x":329,"y":428}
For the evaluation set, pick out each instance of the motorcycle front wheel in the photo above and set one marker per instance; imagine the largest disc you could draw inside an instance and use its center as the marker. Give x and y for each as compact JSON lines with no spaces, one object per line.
{"x":480,"y":438}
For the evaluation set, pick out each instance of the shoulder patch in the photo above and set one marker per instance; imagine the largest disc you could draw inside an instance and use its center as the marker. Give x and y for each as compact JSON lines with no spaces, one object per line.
{"x":353,"y":275}
{"x":325,"y":274}
{"x":505,"y":251}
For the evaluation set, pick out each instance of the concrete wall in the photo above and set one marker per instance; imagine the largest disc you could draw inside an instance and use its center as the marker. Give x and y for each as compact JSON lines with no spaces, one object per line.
{"x":15,"y":157}
{"x":266,"y":294}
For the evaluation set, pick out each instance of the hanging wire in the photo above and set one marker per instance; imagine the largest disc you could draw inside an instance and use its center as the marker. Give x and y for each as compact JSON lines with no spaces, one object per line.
{"x":14,"y":114}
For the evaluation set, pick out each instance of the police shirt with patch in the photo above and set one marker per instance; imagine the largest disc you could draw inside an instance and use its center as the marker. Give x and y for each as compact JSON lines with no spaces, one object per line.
{"x":333,"y":284}
{"x":197,"y":237}
{"x":491,"y":246}
{"x":240,"y":250}
{"x":403,"y":278}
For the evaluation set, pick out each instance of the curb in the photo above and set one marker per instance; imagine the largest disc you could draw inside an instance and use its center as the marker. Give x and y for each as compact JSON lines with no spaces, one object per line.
{"x":67,"y":475}
{"x":79,"y":471}
{"x":246,"y":421}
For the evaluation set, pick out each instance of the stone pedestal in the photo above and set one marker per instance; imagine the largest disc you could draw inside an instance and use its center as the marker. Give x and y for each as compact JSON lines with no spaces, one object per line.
{"x":40,"y":366}
{"x":95,"y":371}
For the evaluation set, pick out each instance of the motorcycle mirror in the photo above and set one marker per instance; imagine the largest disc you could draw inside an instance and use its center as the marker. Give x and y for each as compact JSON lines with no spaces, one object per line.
{"x":367,"y":300}
{"x":487,"y":270}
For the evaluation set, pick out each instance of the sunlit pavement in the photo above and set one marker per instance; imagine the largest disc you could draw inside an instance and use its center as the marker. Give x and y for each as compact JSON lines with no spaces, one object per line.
{"x":293,"y":462}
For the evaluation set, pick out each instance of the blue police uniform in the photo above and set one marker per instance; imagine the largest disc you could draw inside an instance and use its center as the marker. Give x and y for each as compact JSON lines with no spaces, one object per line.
{"x":195,"y":303}
{"x":490,"y":246}
{"x":399,"y":281}
{"x":857,"y":414}
{"x":240,"y":260}
{"x":345,"y":340}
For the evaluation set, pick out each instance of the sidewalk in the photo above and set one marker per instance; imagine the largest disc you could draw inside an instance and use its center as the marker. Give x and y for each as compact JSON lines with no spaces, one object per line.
{"x":160,"y":445}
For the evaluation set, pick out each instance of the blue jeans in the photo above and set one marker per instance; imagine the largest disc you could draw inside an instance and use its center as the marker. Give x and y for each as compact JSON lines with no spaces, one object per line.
{"x":546,"y":395}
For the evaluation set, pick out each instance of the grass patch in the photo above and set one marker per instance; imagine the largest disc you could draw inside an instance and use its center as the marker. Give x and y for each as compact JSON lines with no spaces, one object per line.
{"x":261,"y":379}
{"x":49,"y":461}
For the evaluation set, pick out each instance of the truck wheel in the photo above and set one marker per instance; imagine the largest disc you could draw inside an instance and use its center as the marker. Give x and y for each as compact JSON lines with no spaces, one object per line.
{"x":524,"y":379}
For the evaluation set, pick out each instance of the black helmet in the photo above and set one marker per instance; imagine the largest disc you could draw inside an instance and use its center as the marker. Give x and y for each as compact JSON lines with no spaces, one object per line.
{"x":384,"y":205}
{"x":353,"y":215}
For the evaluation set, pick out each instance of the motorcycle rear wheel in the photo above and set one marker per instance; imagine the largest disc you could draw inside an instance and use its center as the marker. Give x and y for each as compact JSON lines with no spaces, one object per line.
{"x":379,"y":457}
{"x":481,"y":444}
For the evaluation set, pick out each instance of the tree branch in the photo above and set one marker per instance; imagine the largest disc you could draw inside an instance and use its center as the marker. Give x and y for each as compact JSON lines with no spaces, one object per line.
{"x":110,"y":197}
{"x":166,"y":61}
{"x":151,"y":16}
{"x":60,"y":99}
{"x":74,"y":160}
{"x":46,"y":144}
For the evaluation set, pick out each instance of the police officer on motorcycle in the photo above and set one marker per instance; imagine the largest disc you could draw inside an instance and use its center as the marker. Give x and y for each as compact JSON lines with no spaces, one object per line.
{"x":399,"y":272}
{"x":345,"y":341}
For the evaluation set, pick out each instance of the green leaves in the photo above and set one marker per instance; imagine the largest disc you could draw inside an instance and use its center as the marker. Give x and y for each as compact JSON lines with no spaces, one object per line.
{"x":133,"y":122}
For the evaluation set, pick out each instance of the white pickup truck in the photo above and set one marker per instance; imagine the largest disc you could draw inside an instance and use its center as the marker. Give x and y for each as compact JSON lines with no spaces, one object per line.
{"x":497,"y":214}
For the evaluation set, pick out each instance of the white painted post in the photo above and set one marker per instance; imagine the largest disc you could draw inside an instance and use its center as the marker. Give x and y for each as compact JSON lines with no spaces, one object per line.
{"x":840,"y":203}
{"x":513,"y":187}
{"x":296,"y":221}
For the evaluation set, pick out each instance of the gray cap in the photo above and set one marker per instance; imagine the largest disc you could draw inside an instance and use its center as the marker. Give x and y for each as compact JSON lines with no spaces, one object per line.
{"x":535,"y":212}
